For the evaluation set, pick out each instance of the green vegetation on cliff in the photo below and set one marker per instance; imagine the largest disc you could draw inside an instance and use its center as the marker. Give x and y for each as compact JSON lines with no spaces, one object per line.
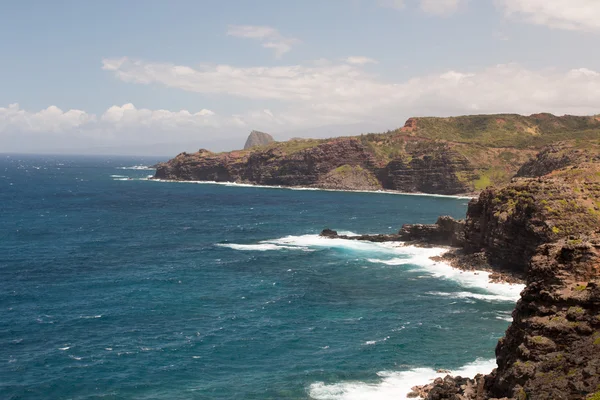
{"x":433,"y":155}
{"x":507,"y":130}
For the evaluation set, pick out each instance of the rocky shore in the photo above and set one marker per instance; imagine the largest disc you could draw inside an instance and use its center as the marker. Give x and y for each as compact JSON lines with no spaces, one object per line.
{"x":446,"y":232}
{"x":544,"y":230}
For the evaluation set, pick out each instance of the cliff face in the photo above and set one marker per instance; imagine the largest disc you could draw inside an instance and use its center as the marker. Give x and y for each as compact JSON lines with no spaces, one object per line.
{"x":558,"y":156}
{"x":257,"y":138}
{"x":456,"y":155}
{"x":436,"y":168}
{"x":345,"y":163}
{"x":549,"y":228}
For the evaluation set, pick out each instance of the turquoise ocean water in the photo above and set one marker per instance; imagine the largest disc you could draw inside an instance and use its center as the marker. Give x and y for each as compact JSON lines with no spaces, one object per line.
{"x":116,"y":287}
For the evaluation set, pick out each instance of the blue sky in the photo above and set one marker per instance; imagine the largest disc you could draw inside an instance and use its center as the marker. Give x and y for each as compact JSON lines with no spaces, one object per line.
{"x":156,"y":76}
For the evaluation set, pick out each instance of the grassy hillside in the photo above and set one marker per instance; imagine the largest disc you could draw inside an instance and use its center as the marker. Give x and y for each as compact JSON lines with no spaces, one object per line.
{"x":506,"y":130}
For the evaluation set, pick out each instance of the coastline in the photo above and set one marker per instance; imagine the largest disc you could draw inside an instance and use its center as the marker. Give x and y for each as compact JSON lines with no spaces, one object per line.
{"x":477,"y":263}
{"x":465,"y":196}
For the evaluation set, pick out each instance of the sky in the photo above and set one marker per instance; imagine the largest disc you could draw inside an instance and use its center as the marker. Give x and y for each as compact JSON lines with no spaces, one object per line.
{"x":154,"y":77}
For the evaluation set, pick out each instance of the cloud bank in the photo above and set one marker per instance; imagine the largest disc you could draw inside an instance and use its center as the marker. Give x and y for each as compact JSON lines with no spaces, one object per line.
{"x":580,"y":15}
{"x":308,"y":97}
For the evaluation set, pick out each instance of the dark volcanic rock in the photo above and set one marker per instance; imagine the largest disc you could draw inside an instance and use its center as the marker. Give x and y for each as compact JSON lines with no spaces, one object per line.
{"x":257,"y":138}
{"x":549,"y":229}
{"x":270,"y":166}
{"x":344,"y":163}
{"x":328,"y":233}
{"x":556,"y":157}
{"x":446,"y":231}
{"x":434,"y":169}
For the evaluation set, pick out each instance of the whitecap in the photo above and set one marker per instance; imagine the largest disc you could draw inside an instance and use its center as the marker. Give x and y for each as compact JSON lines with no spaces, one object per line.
{"x":396,"y":254}
{"x":469,"y":295}
{"x":372,"y":342}
{"x":138,"y":168}
{"x":258,"y":247}
{"x":392,"y":384}
{"x":64,"y":348}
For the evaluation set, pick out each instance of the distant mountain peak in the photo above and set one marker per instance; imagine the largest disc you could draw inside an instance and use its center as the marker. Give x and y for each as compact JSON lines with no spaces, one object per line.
{"x":257,"y":138}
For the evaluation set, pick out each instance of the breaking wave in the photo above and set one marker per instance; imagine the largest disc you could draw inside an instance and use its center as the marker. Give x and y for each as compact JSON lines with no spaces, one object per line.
{"x":395,"y":254}
{"x":392,"y":385}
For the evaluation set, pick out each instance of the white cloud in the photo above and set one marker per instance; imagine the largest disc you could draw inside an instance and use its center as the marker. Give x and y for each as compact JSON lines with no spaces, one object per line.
{"x":582,"y":15}
{"x":358,"y":60}
{"x":341,"y":91}
{"x":51,"y":119}
{"x":269,"y":37}
{"x":304,"y":98}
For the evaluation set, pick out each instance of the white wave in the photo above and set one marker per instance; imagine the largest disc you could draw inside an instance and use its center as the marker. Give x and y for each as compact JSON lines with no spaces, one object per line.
{"x":504,"y":316}
{"x":259,"y":247}
{"x":75,"y":358}
{"x":118,"y":176}
{"x":138,"y":168}
{"x":372,"y":342}
{"x":392,"y":385}
{"x":469,"y":295}
{"x":64,"y":348}
{"x":316,"y":241}
{"x":311,"y":188}
{"x":396,"y":254}
{"x":394,"y":261}
{"x":90,"y":316}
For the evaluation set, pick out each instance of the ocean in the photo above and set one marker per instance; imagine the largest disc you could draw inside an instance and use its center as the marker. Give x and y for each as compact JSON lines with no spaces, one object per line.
{"x":113,"y":286}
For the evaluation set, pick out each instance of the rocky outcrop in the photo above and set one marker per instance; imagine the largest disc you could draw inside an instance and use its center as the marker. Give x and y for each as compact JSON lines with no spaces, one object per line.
{"x":257,"y":138}
{"x":331,"y":234}
{"x":445,"y":232}
{"x":559,"y":156}
{"x":549,"y":229}
{"x":552,"y":349}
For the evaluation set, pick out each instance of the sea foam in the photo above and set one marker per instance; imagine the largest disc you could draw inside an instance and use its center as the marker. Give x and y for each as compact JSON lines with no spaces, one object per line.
{"x":138,"y":168}
{"x":393,"y":254}
{"x":392,"y":385}
{"x":252,"y":185}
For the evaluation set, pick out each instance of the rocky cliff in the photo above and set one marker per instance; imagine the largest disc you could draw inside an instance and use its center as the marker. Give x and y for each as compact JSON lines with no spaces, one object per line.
{"x":257,"y":138}
{"x":549,"y":229}
{"x":457,"y":155}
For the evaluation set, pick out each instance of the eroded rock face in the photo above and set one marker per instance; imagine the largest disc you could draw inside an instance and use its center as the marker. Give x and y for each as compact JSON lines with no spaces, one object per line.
{"x":435,"y":171}
{"x":548,"y":228}
{"x":552,"y":349}
{"x":345,"y":164}
{"x":558,"y":156}
{"x":446,"y":231}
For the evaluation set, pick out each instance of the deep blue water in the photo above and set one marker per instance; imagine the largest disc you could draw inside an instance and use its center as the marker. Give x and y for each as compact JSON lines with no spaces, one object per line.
{"x":137,"y":289}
